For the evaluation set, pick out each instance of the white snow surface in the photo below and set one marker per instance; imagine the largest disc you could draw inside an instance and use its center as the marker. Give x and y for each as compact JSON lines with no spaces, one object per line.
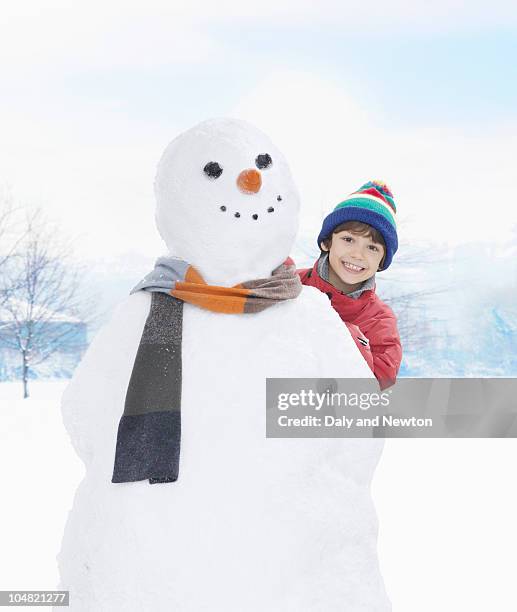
{"x":39,"y":472}
{"x":252,"y":523}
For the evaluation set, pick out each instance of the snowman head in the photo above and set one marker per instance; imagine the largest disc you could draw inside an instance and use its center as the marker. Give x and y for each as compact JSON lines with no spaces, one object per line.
{"x":226,"y":201}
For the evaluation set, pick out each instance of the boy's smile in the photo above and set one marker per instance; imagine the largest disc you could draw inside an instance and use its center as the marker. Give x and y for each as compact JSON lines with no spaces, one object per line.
{"x":352,"y":260}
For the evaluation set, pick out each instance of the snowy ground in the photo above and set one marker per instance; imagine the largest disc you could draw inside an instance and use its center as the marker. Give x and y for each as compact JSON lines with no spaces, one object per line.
{"x":39,"y":474}
{"x":448,"y":534}
{"x":447,"y":508}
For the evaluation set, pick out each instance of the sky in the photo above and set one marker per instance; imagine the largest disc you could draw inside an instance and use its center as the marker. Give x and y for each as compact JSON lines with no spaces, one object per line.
{"x":422,"y":96}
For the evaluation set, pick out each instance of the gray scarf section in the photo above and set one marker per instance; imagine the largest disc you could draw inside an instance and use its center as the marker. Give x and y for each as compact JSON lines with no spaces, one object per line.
{"x":323,"y":271}
{"x":149,"y":432}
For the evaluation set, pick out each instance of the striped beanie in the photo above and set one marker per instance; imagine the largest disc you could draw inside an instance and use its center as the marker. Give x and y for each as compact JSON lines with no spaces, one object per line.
{"x":372,"y":204}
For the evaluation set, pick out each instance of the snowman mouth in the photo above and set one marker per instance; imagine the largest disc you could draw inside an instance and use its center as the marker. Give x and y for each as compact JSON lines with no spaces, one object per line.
{"x":254,"y":215}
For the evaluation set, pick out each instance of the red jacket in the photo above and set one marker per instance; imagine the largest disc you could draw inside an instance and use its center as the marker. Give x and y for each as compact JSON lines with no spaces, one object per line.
{"x":371,"y":323}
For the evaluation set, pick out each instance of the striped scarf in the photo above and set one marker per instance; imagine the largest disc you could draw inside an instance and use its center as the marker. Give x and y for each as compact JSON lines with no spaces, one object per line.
{"x":149,"y":432}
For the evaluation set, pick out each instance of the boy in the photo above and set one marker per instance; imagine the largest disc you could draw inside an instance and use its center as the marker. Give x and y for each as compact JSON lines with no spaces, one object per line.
{"x":358,"y":239}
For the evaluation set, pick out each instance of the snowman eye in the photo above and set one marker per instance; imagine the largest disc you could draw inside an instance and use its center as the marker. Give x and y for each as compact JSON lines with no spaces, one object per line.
{"x":213,"y":170}
{"x":263,"y":161}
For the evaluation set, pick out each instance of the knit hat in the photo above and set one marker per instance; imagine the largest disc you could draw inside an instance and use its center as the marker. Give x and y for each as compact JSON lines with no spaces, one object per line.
{"x":372,"y":204}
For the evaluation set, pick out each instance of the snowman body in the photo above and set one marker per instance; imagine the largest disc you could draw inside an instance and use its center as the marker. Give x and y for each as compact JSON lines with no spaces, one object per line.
{"x":251,"y":524}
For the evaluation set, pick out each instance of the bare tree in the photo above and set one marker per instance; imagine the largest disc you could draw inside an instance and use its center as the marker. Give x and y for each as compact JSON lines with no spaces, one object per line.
{"x":7,"y":242}
{"x":12,"y":233}
{"x":42,"y":299}
{"x":5,"y":219}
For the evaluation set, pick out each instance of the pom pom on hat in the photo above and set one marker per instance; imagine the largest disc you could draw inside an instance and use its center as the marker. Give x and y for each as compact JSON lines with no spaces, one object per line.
{"x":380,"y":186}
{"x":372,"y":204}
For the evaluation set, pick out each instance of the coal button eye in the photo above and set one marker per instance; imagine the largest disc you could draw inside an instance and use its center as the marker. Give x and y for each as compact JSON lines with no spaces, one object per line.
{"x":263,"y":161}
{"x":213,"y":170}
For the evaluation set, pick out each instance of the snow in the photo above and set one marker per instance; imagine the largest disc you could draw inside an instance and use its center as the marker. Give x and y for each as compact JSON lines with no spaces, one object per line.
{"x":39,"y":474}
{"x":446,"y":510}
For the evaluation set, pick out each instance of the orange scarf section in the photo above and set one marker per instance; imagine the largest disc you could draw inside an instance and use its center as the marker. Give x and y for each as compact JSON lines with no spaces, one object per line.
{"x":230,"y":300}
{"x":241,"y":298}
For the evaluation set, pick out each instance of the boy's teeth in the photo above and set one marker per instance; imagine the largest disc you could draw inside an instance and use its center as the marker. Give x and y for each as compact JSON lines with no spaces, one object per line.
{"x":352,"y":266}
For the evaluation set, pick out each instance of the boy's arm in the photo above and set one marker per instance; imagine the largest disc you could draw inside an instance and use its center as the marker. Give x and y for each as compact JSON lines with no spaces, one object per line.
{"x":386,"y":349}
{"x":362,"y":344}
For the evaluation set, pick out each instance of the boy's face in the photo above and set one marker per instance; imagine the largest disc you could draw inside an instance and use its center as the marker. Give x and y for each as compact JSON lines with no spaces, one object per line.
{"x":353,"y":258}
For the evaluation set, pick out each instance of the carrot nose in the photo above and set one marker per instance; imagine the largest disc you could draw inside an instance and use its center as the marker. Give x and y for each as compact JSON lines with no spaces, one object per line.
{"x":249,"y":181}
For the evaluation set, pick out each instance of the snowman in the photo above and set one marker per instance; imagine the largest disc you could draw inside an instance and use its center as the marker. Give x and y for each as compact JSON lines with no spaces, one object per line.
{"x":249,"y":523}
